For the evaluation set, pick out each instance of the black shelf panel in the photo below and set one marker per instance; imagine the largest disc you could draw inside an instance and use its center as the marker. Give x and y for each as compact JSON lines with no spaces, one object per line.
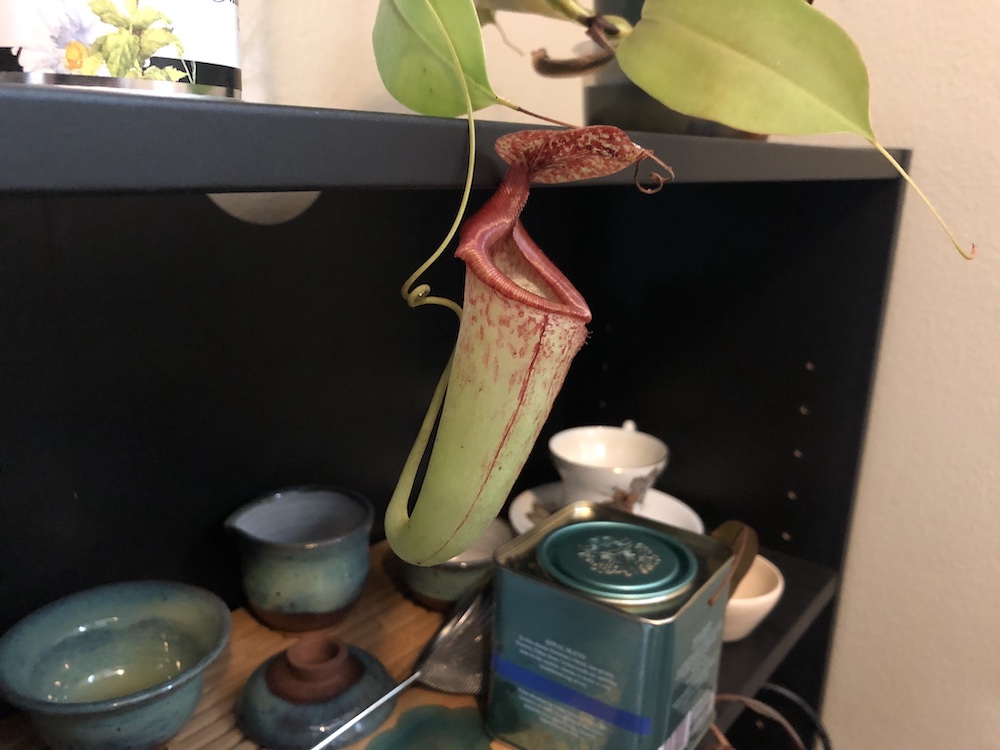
{"x":749,"y":663}
{"x":68,"y":140}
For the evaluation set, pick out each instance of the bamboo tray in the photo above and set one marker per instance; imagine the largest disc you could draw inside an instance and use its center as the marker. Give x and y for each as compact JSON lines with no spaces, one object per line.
{"x":383,"y":621}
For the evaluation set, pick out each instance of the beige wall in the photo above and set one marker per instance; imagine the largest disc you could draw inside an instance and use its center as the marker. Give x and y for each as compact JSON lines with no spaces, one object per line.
{"x":916,"y":661}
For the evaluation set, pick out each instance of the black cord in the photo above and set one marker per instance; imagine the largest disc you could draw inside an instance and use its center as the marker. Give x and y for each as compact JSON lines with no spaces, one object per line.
{"x":824,"y":738}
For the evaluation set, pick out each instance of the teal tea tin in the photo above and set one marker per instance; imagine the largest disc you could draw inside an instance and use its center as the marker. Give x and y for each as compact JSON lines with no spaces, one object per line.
{"x":608,"y":633}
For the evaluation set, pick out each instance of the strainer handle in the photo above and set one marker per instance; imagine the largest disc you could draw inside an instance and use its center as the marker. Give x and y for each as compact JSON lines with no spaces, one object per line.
{"x":374,"y":706}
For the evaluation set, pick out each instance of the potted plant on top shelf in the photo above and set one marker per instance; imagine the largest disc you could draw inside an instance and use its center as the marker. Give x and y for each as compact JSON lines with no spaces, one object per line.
{"x":774,"y":67}
{"x":758,"y":66}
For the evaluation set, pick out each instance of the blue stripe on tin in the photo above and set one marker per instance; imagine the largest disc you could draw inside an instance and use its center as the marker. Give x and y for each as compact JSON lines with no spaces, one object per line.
{"x":551,"y":689}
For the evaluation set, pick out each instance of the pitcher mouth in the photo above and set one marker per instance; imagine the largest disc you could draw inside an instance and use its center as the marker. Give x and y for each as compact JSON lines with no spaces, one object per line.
{"x":494,"y":244}
{"x":505,"y":258}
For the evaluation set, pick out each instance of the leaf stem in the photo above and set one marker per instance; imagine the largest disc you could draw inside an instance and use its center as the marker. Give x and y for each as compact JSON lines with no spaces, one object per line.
{"x":967,"y":255}
{"x":570,"y":10}
{"x":517,"y":108}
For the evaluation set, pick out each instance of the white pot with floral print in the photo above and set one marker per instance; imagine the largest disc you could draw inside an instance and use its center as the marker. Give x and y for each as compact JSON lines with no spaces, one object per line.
{"x":155,"y":46}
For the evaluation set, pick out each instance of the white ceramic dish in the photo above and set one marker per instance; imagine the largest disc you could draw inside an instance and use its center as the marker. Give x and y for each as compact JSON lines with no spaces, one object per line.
{"x":596,"y":461}
{"x":657,"y":506}
{"x":753,"y":600}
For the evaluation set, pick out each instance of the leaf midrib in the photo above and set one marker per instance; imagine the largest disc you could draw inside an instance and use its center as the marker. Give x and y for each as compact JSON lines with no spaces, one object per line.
{"x":445,"y":59}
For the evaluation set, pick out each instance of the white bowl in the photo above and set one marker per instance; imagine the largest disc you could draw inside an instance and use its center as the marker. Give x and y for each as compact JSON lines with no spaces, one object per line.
{"x":753,"y":600}
{"x":594,"y":462}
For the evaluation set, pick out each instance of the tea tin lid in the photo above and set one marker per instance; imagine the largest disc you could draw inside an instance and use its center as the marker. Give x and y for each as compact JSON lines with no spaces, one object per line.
{"x":617,"y":561}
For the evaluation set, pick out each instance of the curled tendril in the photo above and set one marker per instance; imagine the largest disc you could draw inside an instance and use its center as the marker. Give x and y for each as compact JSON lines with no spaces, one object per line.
{"x":658,"y":179}
{"x":968,"y":255}
{"x":419,"y":295}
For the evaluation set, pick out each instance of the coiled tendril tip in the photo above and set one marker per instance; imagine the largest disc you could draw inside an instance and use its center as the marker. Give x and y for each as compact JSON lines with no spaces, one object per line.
{"x":658,"y":179}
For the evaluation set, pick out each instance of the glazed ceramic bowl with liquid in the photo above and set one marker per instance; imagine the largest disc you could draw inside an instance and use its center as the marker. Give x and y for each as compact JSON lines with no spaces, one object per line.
{"x":117,"y":666}
{"x":304,"y":554}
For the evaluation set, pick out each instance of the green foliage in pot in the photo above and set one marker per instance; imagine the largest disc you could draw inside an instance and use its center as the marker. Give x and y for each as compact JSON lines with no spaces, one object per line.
{"x":779,"y":67}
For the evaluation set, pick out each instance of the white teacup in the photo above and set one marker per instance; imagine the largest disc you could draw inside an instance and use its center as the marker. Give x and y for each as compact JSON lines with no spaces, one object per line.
{"x":596,"y":462}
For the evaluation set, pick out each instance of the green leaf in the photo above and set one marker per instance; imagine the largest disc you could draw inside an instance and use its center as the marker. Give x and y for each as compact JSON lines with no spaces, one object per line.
{"x":153,"y":40}
{"x":416,"y":63}
{"x":145,"y":17}
{"x":562,"y":9}
{"x":174,"y":74}
{"x":763,"y":66}
{"x":91,"y":64}
{"x":169,"y":73}
{"x":108,"y":12}
{"x":121,"y":52}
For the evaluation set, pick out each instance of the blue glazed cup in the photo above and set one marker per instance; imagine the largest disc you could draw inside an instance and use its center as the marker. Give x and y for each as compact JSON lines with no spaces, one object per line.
{"x":304,"y":554}
{"x":117,"y":666}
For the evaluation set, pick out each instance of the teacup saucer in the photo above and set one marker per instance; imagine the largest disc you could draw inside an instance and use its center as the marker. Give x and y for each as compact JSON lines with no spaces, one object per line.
{"x":657,"y":506}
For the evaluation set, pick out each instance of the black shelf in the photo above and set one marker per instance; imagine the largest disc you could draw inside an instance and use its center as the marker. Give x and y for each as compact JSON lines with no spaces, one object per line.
{"x":749,"y":663}
{"x":164,"y":362}
{"x":65,"y":140}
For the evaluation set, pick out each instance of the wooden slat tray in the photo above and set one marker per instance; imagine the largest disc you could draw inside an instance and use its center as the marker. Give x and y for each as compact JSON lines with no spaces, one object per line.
{"x":394,"y":629}
{"x":383,"y":622}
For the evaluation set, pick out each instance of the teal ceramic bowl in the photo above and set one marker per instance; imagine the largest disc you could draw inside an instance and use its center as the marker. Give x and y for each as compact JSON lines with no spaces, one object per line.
{"x":440,"y":586}
{"x":303,"y":554}
{"x":118,"y":666}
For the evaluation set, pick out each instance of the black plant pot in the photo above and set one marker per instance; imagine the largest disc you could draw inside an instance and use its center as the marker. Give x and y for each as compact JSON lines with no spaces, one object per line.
{"x":624,"y":104}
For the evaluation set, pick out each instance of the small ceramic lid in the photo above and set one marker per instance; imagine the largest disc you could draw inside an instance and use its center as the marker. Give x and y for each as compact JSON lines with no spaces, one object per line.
{"x":313,"y":670}
{"x":618,"y":562}
{"x":314,"y":702}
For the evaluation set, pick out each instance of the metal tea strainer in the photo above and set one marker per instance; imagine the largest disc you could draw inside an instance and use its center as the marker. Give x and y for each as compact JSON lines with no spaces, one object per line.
{"x":453,"y":661}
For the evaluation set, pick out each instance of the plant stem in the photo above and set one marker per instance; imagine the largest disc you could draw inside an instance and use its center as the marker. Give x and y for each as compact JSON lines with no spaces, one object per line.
{"x":420,"y":295}
{"x":571,"y":10}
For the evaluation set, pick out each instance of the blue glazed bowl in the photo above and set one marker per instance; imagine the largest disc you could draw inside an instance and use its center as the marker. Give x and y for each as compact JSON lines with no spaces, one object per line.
{"x":118,"y":666}
{"x":303,"y":554}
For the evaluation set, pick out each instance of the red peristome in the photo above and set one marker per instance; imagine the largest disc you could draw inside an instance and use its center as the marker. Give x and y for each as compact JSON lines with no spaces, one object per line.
{"x":493,"y":242}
